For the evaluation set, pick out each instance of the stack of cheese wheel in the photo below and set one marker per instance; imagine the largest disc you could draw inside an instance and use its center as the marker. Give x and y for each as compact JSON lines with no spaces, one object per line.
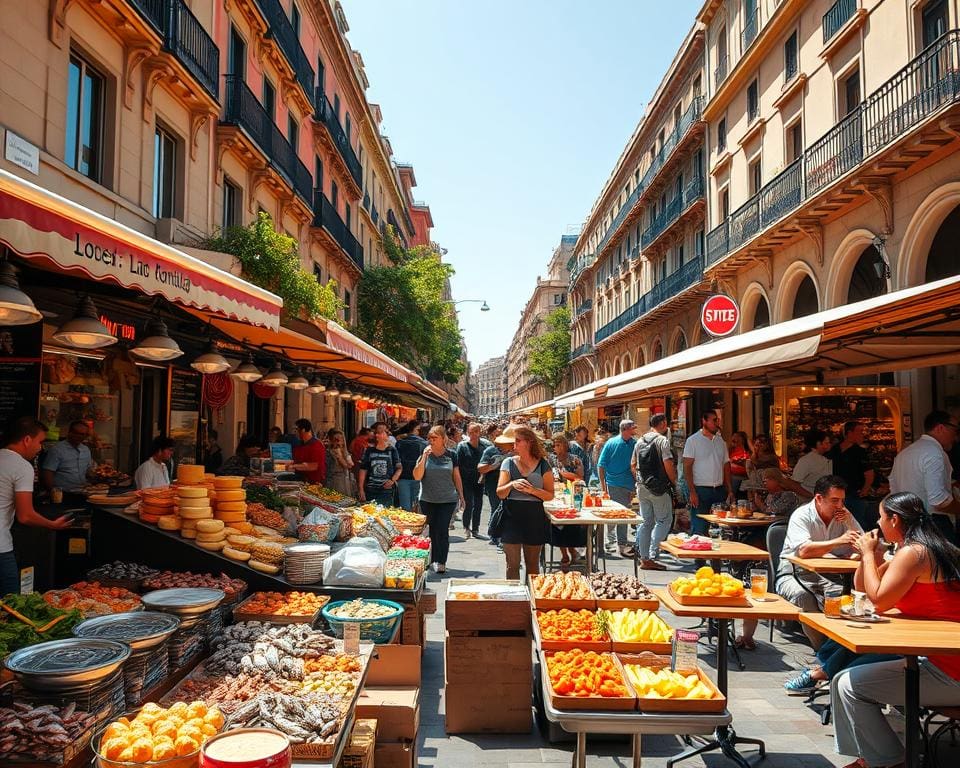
{"x":231,"y":501}
{"x":190,"y":474}
{"x":194,"y":506}
{"x":157,"y":507}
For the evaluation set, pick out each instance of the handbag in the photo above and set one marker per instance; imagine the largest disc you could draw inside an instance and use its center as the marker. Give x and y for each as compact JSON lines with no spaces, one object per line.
{"x":497,"y":520}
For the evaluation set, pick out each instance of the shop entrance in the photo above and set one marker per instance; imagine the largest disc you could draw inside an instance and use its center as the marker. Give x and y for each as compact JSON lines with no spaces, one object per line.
{"x":259,"y":414}
{"x":150,"y":409}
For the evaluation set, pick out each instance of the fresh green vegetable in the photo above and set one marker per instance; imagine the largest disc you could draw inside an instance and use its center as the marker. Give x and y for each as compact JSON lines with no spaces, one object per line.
{"x":14,"y":634}
{"x":266,"y":496}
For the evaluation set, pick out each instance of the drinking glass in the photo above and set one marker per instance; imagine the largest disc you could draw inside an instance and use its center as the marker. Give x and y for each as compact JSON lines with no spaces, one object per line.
{"x":758,"y":582}
{"x":832,"y":602}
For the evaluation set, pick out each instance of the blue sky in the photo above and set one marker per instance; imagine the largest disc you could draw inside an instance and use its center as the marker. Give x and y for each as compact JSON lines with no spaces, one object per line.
{"x":513,"y":113}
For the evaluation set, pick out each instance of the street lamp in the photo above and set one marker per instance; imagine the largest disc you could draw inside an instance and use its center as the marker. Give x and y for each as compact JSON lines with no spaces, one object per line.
{"x":484,"y":307}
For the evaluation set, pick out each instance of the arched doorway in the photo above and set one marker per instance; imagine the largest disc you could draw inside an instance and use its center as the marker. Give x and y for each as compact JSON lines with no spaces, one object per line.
{"x":805,"y":301}
{"x":867,"y":279}
{"x":942,"y":260}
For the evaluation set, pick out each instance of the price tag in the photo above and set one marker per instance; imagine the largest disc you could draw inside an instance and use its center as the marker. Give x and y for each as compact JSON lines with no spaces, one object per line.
{"x":351,"y":638}
{"x":26,"y":580}
{"x":683,"y":656}
{"x":76,"y":546}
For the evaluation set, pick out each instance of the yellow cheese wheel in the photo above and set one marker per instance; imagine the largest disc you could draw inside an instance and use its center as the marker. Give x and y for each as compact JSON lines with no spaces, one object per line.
{"x":210,"y":526}
{"x":263,"y":567}
{"x":213,"y":546}
{"x":195,"y":514}
{"x":209,"y":477}
{"x":227,"y":481}
{"x":235,"y":554}
{"x":185,"y":523}
{"x":192,"y":492}
{"x":158,"y":501}
{"x":231,"y":495}
{"x":190,"y":473}
{"x":193,"y":503}
{"x":151,"y":509}
{"x":229,"y":530}
{"x":188,"y":533}
{"x":168,"y":523}
{"x":241,"y":525}
{"x":218,"y":536}
{"x":231,"y":518}
{"x":231,"y":506}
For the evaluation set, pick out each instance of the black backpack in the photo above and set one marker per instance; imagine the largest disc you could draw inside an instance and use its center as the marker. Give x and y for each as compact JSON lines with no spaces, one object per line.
{"x":650,"y":470}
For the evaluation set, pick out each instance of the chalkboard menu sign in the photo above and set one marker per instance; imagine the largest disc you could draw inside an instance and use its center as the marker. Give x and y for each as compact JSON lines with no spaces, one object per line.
{"x":185,"y":392}
{"x":21,"y":350}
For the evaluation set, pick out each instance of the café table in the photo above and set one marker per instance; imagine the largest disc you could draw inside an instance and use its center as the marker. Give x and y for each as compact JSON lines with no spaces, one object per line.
{"x":774,"y":608}
{"x":902,"y":636}
{"x":844,"y":566}
{"x":741,"y":527}
{"x":587,"y":518}
{"x":734,"y":551}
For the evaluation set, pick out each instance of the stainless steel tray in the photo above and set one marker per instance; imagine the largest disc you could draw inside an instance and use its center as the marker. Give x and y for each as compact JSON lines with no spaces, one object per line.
{"x":142,"y":631}
{"x":184,"y":601}
{"x":65,"y":664}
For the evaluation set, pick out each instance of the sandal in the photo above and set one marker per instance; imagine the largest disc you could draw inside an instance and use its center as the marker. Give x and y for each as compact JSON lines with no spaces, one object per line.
{"x":745,"y":643}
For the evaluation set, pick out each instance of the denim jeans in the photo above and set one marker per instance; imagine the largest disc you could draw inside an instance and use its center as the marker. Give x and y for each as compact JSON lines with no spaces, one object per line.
{"x":472,"y":505}
{"x":834,"y":658}
{"x":9,"y":574}
{"x":707,"y":496}
{"x":621,"y":496}
{"x":408,"y":492}
{"x":657,"y":514}
{"x":438,"y":518}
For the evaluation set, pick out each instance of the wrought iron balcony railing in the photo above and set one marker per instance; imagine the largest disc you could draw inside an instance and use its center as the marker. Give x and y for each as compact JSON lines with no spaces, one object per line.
{"x":282,"y":30}
{"x":583,"y":349}
{"x":838,"y":15}
{"x":242,"y":109}
{"x":690,"y":194}
{"x":326,"y":115}
{"x":585,"y":306}
{"x":751,"y":25}
{"x":326,"y":216}
{"x":684,"y":277}
{"x":929,"y":83}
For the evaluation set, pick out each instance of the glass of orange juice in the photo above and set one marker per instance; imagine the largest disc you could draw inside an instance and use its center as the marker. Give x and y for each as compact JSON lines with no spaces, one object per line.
{"x":831,"y":605}
{"x":758,"y":582}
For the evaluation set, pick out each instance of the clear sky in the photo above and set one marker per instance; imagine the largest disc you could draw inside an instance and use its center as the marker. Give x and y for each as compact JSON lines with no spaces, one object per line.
{"x":513,"y":114}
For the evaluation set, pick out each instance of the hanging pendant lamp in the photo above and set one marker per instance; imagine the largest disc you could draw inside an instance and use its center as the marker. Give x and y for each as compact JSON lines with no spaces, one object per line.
{"x":156,"y":344}
{"x":316,"y":386}
{"x":211,"y":361}
{"x":276,"y":377}
{"x":84,"y":330}
{"x":16,"y":308}
{"x":298,"y":382}
{"x":247,"y":371}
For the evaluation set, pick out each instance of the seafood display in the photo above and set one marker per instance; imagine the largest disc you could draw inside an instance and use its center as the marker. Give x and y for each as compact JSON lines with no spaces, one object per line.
{"x":304,"y":720}
{"x":40,"y":733}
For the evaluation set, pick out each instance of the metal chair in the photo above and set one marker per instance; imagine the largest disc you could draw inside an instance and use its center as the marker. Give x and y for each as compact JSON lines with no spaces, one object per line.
{"x":776,"y":535}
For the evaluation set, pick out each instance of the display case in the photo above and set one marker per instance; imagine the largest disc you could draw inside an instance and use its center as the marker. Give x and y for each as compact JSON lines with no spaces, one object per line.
{"x":882,"y":410}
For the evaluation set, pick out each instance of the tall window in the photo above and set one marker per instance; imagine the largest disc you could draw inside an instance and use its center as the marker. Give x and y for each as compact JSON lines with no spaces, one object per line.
{"x":164,"y":173}
{"x":318,"y":173}
{"x":347,"y":214}
{"x":850,"y":92}
{"x":334,"y":194}
{"x":336,"y":105}
{"x":321,"y":74}
{"x":791,"y":59}
{"x":724,"y":203}
{"x":346,"y":305}
{"x":295,"y":18}
{"x":231,"y":204}
{"x":755,"y":177}
{"x":293,"y":131}
{"x":269,"y":98}
{"x":84,"y":123}
{"x":722,"y":134}
{"x":347,"y":126}
{"x":237,"y":55}
{"x":753,"y":100}
{"x":318,"y":273}
{"x":794,"y":141}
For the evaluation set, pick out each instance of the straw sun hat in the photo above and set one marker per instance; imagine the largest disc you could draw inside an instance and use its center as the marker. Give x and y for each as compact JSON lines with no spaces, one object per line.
{"x":505,"y":437}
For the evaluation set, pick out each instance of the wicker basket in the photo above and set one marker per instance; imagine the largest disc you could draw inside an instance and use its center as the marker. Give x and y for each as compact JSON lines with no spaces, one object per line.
{"x":378,"y":630}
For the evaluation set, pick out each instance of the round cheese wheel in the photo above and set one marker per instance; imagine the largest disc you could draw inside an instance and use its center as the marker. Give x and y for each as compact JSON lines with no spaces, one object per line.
{"x":227,"y":481}
{"x":150,"y":518}
{"x":186,"y":523}
{"x":235,"y":554}
{"x":241,"y":542}
{"x":263,"y":567}
{"x":218,"y":536}
{"x":231,"y":518}
{"x":195,"y":514}
{"x":193,"y":503}
{"x":168,"y":523}
{"x":153,"y":509}
{"x":192,"y":492}
{"x":213,"y":546}
{"x":209,"y":477}
{"x":190,"y":473}
{"x":231,"y":495}
{"x":210,"y":526}
{"x":231,"y":531}
{"x":158,"y":501}
{"x":231,"y":506}
{"x":241,"y":525}
{"x":188,"y":533}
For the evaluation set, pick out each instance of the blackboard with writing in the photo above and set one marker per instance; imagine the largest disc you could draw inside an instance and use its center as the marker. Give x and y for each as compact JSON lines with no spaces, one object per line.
{"x":20,"y":368}
{"x":185,"y":392}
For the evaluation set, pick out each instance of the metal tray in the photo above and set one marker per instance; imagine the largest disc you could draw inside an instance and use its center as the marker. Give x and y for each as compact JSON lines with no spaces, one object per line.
{"x":142,"y":631}
{"x":183,"y":601}
{"x":64,"y":664}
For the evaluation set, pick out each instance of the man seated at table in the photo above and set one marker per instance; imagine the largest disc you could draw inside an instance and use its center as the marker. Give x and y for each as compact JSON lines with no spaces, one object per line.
{"x":818,"y":528}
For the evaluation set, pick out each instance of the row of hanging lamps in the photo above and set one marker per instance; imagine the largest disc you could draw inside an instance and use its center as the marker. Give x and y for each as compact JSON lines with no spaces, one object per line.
{"x":16,"y":308}
{"x":276,"y":377}
{"x":298,"y":382}
{"x":316,"y":385}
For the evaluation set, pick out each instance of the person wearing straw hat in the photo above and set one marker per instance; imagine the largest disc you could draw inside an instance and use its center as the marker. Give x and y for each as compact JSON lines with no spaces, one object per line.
{"x":489,"y":467}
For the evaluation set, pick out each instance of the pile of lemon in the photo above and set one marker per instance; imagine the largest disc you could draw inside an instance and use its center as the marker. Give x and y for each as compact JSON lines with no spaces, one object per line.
{"x":707,"y":583}
{"x":664,"y":684}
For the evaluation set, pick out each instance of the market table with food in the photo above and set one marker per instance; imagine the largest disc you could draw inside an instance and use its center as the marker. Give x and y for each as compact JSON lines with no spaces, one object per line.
{"x":890,"y":633}
{"x":593,"y":514}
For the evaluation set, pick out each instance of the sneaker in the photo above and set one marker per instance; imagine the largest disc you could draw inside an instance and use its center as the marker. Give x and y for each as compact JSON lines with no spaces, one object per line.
{"x":801,"y":685}
{"x":493,"y":542}
{"x":477,"y":535}
{"x":627,"y":551}
{"x":436,"y":567}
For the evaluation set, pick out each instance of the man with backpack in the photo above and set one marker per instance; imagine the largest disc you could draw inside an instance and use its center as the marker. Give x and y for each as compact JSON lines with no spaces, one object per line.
{"x":656,"y":472}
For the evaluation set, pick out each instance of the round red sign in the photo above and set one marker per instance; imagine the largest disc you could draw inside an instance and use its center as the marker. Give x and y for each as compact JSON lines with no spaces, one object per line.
{"x":720,"y":315}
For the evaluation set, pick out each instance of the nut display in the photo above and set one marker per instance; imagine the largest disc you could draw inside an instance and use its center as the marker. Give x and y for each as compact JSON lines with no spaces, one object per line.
{"x":119,"y":569}
{"x":39,"y":733}
{"x":160,"y":734}
{"x":258,"y":514}
{"x":616,"y":586}
{"x":361,"y":609}
{"x":561,"y":586}
{"x":174,"y":579}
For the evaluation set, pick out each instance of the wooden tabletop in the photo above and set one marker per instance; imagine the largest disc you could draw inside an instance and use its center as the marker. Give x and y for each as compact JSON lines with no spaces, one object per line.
{"x":734,"y":522}
{"x":728,"y":550}
{"x":777,"y":608}
{"x":919,"y":637}
{"x":824,"y":564}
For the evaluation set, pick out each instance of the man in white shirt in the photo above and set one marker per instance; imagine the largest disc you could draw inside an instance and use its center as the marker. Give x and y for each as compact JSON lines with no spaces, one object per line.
{"x":153,"y":473}
{"x":924,"y":468}
{"x":24,"y":439}
{"x":706,"y":469}
{"x":819,"y":528}
{"x":814,"y":464}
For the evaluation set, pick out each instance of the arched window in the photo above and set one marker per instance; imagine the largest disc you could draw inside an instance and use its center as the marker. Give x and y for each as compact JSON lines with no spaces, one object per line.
{"x":761,"y":314}
{"x":805,"y":301}
{"x":657,"y":350}
{"x":867,"y":279}
{"x":942,"y":260}
{"x":680,"y":343}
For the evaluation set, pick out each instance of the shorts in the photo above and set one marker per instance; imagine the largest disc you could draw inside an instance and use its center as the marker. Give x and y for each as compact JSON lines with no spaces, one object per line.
{"x":525,"y":523}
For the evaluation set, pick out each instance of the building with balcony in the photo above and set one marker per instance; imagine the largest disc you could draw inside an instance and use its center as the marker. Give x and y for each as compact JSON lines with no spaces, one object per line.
{"x":833,"y":158}
{"x":637,"y":267}
{"x":419,"y":219}
{"x":489,"y":400}
{"x":523,"y":390}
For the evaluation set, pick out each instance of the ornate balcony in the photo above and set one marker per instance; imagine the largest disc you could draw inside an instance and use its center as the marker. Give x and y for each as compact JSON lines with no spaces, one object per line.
{"x":281,"y":30}
{"x":674,"y":210}
{"x":585,"y":306}
{"x":582,"y":350}
{"x":328,"y":118}
{"x":326,"y":217}
{"x":838,"y":15}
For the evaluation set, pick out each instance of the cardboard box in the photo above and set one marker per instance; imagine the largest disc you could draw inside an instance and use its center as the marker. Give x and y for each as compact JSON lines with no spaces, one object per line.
{"x":413,"y":630}
{"x":428,"y":601}
{"x":394,"y":665}
{"x":493,"y":615}
{"x":509,"y":711}
{"x":396,"y":710}
{"x":395,"y":754}
{"x":488,"y":660}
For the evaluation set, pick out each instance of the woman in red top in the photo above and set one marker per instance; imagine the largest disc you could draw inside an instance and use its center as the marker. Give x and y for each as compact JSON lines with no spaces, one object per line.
{"x":922,"y":581}
{"x":739,"y":451}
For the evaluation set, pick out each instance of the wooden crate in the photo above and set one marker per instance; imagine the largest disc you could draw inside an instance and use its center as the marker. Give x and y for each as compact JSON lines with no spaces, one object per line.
{"x":698,"y":706}
{"x":586,"y":703}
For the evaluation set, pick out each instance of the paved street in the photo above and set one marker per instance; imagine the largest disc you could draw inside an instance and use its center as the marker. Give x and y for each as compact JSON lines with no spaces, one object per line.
{"x":791,"y":729}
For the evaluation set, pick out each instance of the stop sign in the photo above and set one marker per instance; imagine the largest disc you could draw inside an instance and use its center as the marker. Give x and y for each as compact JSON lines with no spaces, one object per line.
{"x":720,"y":315}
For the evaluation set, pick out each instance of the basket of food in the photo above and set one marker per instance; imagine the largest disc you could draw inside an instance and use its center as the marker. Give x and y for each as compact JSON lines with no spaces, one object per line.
{"x":378,"y":619}
{"x":314,"y":532}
